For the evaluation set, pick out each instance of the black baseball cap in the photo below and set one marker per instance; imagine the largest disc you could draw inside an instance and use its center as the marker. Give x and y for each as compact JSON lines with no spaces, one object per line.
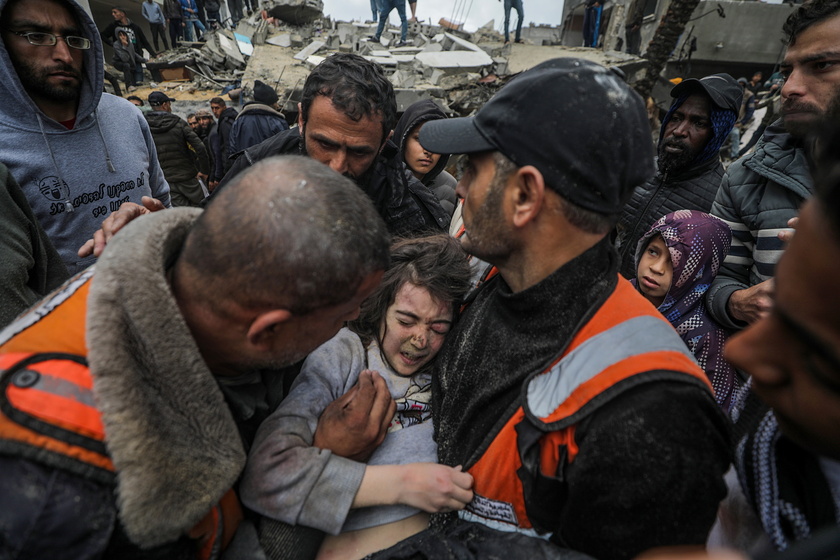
{"x":723,"y":90}
{"x":158,"y":98}
{"x":576,"y":121}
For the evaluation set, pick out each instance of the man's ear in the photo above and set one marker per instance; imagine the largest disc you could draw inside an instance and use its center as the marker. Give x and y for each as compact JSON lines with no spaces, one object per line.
{"x":263,"y":328}
{"x":528,"y":194}
{"x":300,"y":118}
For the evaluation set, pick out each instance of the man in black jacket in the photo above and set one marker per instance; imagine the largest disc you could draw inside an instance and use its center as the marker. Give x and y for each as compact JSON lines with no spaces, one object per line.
{"x":345,"y":118}
{"x":135,"y":34}
{"x":183,"y":156}
{"x":224,"y":116}
{"x":689,"y":168}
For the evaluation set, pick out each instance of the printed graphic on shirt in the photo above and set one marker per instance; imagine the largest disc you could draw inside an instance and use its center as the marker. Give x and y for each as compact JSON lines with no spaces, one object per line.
{"x":413,"y":407}
{"x":100,"y":200}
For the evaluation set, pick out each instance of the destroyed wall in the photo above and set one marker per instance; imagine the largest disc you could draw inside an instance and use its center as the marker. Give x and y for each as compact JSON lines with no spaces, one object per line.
{"x":280,"y":45}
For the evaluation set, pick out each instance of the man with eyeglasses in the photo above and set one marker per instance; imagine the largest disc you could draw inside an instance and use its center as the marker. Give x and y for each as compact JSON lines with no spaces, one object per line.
{"x":77,"y":153}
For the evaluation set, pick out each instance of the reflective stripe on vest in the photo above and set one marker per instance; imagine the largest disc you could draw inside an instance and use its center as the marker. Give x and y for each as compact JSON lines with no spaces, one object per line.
{"x":626,"y":343}
{"x":47,"y":410}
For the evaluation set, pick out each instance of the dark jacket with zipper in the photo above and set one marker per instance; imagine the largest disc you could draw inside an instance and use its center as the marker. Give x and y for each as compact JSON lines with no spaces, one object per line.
{"x":408,"y":207}
{"x":694,"y":189}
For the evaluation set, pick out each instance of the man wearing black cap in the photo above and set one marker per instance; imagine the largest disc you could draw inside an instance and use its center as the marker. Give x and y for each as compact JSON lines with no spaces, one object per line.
{"x":689,"y":169}
{"x":572,"y":403}
{"x":183,"y":156}
{"x":258,"y":120}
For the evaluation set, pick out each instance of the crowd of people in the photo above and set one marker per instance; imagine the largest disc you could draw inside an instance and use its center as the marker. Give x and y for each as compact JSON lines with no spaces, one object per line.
{"x":586,"y":346}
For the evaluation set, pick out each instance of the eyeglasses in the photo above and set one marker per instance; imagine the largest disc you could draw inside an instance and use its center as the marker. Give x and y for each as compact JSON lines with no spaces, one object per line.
{"x":42,"y":39}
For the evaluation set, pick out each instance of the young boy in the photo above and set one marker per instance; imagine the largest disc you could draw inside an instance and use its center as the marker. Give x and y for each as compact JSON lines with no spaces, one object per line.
{"x":676,"y":262}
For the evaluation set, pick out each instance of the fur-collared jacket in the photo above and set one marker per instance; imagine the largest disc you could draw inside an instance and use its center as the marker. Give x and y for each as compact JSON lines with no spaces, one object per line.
{"x":172,"y":439}
{"x":170,"y":434}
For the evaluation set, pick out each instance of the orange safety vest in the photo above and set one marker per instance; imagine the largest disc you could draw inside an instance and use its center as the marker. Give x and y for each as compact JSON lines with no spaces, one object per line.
{"x":626,"y":343}
{"x":47,"y":409}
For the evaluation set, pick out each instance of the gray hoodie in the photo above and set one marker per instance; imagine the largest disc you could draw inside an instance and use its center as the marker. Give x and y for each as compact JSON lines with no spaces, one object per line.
{"x":107,"y":158}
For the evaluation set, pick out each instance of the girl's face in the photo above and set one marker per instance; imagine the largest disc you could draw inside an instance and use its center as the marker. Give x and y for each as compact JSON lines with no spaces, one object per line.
{"x":655,"y":271}
{"x":413,"y":329}
{"x":420,"y":160}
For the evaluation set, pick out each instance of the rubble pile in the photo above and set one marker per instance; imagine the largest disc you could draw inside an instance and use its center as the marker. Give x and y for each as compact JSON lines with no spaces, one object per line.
{"x":283,"y":42}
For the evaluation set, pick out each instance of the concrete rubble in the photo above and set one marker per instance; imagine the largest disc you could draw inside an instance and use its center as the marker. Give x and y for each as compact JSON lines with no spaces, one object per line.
{"x":283,"y":42}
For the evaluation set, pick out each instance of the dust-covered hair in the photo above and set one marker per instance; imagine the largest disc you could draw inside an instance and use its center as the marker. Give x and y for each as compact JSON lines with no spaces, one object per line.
{"x":356,"y":86}
{"x":436,"y":263}
{"x":287,"y":232}
{"x":807,"y":15}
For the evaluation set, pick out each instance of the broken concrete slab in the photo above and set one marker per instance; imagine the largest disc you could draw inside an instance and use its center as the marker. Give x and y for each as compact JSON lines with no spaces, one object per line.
{"x":282,"y":40}
{"x":462,"y":43}
{"x":456,"y":61}
{"x":311,"y":49}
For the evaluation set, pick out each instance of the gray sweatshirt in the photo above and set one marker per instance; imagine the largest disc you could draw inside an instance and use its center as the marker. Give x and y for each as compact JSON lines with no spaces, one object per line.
{"x":288,"y":479}
{"x":74,"y":178}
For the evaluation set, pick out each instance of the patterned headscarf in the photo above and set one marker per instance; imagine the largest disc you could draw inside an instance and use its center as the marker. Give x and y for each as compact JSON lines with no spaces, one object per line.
{"x":697,"y":243}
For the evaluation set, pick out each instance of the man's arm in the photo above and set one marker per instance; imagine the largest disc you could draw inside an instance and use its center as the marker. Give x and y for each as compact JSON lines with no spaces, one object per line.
{"x":141,"y":37}
{"x":198,"y":147}
{"x":734,"y":273}
{"x":650,"y":469}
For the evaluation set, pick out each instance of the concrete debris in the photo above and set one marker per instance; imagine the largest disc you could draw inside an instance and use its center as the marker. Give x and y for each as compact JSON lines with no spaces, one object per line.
{"x":281,"y":44}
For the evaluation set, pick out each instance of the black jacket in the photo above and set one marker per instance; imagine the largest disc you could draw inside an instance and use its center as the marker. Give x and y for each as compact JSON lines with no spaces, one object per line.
{"x":438,"y":180}
{"x":224,"y":126}
{"x":135,"y":35}
{"x":181,"y":152}
{"x":694,"y":189}
{"x":408,"y":207}
{"x":255,"y":123}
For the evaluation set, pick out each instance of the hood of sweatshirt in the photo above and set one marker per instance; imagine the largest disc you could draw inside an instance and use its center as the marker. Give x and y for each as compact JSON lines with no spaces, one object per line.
{"x":17,"y":102}
{"x":697,"y":243}
{"x":417,"y":114}
{"x":162,"y":121}
{"x":73,"y":178}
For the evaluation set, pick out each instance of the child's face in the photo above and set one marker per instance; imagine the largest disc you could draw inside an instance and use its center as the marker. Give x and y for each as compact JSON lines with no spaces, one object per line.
{"x":413,"y":329}
{"x":123,"y":38}
{"x":417,"y":158}
{"x":655,"y":271}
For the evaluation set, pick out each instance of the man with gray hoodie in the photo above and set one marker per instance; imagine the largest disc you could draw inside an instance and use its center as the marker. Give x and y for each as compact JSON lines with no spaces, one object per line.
{"x":77,"y":153}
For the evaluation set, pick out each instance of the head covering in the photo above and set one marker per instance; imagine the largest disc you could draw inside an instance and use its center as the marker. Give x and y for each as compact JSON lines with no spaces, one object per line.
{"x":574,"y":120}
{"x":264,"y":94}
{"x":725,"y":95}
{"x":158,"y":98}
{"x":415,"y":115}
{"x":697,"y":243}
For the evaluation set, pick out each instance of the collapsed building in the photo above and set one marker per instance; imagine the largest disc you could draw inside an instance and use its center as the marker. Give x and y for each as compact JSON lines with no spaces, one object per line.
{"x":281,"y":43}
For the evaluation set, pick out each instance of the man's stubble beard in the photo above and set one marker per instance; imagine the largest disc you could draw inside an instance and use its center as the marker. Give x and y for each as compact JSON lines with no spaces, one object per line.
{"x":35,"y":81}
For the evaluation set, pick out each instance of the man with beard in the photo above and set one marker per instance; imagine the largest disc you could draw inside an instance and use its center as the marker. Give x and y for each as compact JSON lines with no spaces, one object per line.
{"x":689,"y":169}
{"x":180,"y":330}
{"x":77,"y":153}
{"x":560,"y":385}
{"x":761,"y":192}
{"x":345,"y":118}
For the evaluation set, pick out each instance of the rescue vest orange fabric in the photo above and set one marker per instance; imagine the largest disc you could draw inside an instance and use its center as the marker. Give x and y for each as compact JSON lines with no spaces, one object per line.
{"x":47,"y":408}
{"x":626,"y":343}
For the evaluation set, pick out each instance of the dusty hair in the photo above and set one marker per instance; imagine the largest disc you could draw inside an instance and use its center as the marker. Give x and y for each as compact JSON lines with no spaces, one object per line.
{"x":287,"y":232}
{"x":435,"y":262}
{"x":807,"y":15}
{"x":356,"y":86}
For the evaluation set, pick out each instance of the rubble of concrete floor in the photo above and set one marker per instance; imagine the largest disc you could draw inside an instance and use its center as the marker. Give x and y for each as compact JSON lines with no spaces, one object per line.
{"x":460,"y":71}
